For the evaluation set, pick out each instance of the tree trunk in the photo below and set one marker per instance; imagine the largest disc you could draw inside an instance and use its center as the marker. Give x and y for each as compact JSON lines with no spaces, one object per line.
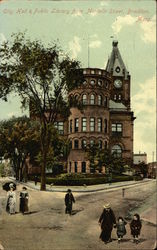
{"x":44,"y":154}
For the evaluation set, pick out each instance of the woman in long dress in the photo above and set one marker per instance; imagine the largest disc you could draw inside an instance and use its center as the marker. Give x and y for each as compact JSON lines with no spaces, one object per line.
{"x":24,"y":200}
{"x":11,"y":201}
{"x":106,"y":221}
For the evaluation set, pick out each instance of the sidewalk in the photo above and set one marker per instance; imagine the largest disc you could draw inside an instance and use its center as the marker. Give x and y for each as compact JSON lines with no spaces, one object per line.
{"x":80,"y":189}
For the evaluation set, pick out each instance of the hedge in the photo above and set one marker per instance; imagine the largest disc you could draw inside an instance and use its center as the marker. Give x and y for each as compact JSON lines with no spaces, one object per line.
{"x":80,"y":179}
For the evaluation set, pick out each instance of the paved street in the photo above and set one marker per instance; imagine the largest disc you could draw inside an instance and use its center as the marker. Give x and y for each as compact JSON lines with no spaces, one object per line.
{"x":47,"y":227}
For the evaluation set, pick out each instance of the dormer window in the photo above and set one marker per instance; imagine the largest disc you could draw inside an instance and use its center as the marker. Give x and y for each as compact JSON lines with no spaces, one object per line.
{"x":84,"y":72}
{"x":92,"y":72}
{"x":117,"y":69}
{"x":99,"y":72}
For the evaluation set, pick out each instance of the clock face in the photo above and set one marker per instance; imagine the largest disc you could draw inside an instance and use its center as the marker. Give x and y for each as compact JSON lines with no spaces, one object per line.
{"x":118,"y":83}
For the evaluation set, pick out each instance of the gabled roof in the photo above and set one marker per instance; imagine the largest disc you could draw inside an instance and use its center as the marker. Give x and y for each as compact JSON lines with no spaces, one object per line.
{"x":115,"y":64}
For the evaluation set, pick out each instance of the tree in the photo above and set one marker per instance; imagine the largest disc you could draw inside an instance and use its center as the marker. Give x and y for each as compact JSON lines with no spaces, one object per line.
{"x":42,"y":77}
{"x":103,"y":157}
{"x":19,"y":136}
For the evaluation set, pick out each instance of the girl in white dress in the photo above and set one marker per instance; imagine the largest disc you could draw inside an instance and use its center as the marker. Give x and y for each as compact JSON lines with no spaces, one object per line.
{"x":11,"y":202}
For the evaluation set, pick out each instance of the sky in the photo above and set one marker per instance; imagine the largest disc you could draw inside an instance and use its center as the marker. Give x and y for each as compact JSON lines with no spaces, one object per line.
{"x":77,"y":24}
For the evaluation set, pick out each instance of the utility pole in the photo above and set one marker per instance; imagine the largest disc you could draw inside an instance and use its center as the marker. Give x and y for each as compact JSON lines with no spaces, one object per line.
{"x":88,"y":51}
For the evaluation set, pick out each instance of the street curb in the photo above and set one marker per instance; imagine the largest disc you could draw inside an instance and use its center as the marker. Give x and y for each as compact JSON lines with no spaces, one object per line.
{"x":109,"y":188}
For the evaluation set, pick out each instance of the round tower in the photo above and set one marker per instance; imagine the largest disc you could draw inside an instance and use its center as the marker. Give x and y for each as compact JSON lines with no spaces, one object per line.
{"x":90,"y":124}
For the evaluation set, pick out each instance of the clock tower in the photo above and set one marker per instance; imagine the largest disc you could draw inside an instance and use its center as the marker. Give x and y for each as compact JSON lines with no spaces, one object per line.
{"x":120,"y":89}
{"x":121,"y":116}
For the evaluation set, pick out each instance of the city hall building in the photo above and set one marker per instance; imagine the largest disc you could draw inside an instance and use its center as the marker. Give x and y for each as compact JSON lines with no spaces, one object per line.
{"x":106,"y":118}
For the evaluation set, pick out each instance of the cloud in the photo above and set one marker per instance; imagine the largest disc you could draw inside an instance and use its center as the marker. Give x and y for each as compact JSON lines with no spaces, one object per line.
{"x":122,"y":21}
{"x":104,"y":3}
{"x":149,"y":30}
{"x":143,"y":104}
{"x":146,"y":25}
{"x":75,"y":47}
{"x":95,"y":44}
{"x":2,"y":38}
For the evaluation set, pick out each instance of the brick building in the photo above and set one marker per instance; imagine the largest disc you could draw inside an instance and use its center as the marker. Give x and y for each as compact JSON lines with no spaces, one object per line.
{"x":106,"y":117}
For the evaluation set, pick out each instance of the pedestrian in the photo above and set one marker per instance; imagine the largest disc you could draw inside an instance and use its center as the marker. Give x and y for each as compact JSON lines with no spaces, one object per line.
{"x":24,"y":200}
{"x":69,"y":200}
{"x":135,"y":227}
{"x":121,"y":230}
{"x":106,"y":221}
{"x":11,"y":200}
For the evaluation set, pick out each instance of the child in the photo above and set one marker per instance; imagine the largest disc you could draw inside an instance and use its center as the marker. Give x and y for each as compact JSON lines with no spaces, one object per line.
{"x":121,"y":230}
{"x":135,"y":227}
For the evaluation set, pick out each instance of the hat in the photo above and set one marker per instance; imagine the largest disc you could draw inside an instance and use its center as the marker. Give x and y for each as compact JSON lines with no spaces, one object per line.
{"x":69,"y":190}
{"x":107,"y":206}
{"x":24,"y":188}
{"x":11,"y":185}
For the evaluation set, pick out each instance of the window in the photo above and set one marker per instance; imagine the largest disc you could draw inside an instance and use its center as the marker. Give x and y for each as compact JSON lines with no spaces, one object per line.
{"x":105,"y":101}
{"x":70,"y":167}
{"x":70,"y":126}
{"x":76,"y":124}
{"x":84,"y":124}
{"x":84,"y":83}
{"x":106,"y":85}
{"x":75,"y":164}
{"x":117,"y":129}
{"x":99,"y":100}
{"x":99,"y":125}
{"x":92,"y":82}
{"x":83,"y":167}
{"x":105,"y":125}
{"x":84,"y":72}
{"x":92,"y":71}
{"x":92,"y":143}
{"x":116,"y":151}
{"x":115,"y":97}
{"x":99,"y":72}
{"x":106,"y":144}
{"x":100,"y":82}
{"x":100,"y":144}
{"x":92,"y":124}
{"x":84,"y":144}
{"x":76,"y":144}
{"x":92,"y":99}
{"x":84,"y":99}
{"x":60,"y":127}
{"x":119,"y":97}
{"x":70,"y":144}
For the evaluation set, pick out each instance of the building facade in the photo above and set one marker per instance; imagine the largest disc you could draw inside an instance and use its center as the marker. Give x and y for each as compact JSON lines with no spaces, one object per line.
{"x":106,"y":117}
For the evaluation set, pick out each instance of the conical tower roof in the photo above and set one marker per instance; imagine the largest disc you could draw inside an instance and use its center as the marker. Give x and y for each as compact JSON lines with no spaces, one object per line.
{"x":115,"y":64}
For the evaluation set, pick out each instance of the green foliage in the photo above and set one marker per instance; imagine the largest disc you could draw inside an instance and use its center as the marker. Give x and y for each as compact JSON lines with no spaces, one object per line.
{"x":81,"y":179}
{"x":42,"y":77}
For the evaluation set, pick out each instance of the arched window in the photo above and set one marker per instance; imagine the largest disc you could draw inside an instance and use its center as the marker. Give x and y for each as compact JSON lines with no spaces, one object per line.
{"x":105,"y":126}
{"x":100,"y":82}
{"x":84,"y":99}
{"x":100,"y":144}
{"x":99,"y":100}
{"x":115,"y":97}
{"x":84,"y":143}
{"x":92,"y":82}
{"x":105,"y":101}
{"x":76,"y":144}
{"x":116,"y":151}
{"x":92,"y":143}
{"x":106,"y":144}
{"x":92,"y":99}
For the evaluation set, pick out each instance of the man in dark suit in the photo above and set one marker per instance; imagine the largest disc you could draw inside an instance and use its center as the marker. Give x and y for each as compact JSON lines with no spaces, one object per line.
{"x":69,"y":200}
